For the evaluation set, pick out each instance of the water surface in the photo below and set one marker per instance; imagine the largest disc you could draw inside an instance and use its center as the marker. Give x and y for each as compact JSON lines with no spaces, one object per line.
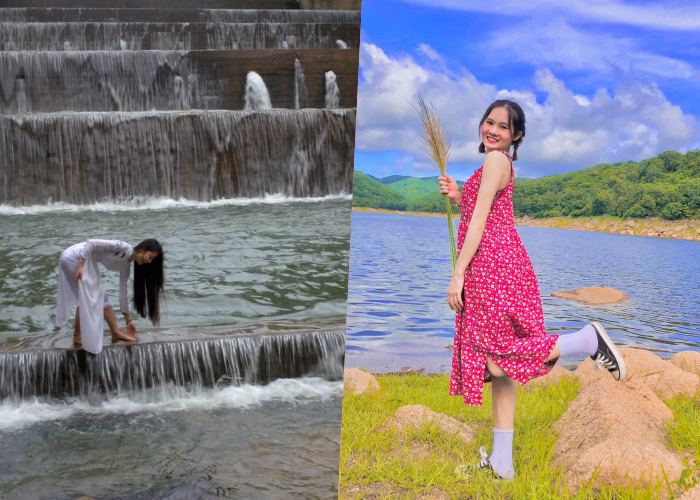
{"x":399,"y":271}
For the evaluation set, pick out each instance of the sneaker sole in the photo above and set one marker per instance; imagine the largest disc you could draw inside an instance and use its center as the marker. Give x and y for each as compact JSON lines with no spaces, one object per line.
{"x":609,"y":343}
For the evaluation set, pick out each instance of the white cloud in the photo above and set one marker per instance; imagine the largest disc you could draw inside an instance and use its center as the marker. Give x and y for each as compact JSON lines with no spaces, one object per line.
{"x":429,"y":52}
{"x":566,"y":131}
{"x":664,"y":15}
{"x":556,"y":42}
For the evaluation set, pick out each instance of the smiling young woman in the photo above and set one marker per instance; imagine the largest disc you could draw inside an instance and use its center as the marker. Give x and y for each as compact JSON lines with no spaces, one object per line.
{"x":500,"y":335}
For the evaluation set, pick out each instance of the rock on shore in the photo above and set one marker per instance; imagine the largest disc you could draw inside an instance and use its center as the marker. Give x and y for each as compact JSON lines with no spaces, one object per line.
{"x":358,"y":381}
{"x":418,"y":416}
{"x":593,"y":295}
{"x":615,"y":432}
{"x":688,"y":361}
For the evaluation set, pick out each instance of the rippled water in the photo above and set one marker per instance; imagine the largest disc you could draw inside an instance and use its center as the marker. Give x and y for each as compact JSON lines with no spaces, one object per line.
{"x":225,"y":263}
{"x":399,"y":271}
{"x":276,"y":441}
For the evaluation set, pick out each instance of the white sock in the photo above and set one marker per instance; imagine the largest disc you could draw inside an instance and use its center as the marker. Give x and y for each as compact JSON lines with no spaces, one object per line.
{"x":583,"y":341}
{"x":502,"y":456}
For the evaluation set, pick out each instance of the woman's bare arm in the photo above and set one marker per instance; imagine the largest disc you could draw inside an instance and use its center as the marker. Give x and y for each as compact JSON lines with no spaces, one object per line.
{"x":496,"y":173}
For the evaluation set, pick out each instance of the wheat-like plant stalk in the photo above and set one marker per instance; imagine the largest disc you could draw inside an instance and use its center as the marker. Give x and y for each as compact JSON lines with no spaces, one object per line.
{"x":438,"y":149}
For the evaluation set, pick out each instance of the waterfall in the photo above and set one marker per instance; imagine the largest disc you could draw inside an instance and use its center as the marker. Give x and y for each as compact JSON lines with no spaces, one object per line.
{"x":128,"y":369}
{"x":88,"y":80}
{"x":85,"y":36}
{"x":256,"y":94}
{"x":199,"y":155}
{"x":332,"y":91}
{"x":181,"y":98}
{"x":21,"y":96}
{"x":300,"y":95}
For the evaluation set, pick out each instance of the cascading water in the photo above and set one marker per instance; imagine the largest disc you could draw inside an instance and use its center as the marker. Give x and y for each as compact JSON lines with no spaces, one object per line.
{"x":256,"y":94}
{"x":124,"y":370}
{"x":166,"y":36}
{"x":332,"y":90}
{"x":300,"y":94}
{"x":195,"y":155}
{"x":184,"y":15}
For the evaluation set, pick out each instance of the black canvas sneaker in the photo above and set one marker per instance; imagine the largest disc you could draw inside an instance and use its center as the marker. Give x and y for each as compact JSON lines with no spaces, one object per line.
{"x":607,"y":356}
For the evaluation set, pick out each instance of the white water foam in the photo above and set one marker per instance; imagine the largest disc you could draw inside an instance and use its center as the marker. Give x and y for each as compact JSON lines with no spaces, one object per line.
{"x":166,"y":203}
{"x":14,"y":416}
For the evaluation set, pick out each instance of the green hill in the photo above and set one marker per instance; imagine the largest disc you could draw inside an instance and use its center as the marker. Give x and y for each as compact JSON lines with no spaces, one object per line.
{"x":667,"y":186}
{"x":368,"y":192}
{"x":411,"y":188}
{"x":393,"y":178}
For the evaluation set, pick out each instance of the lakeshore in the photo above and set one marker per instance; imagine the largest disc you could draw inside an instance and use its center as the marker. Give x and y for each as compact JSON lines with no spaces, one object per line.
{"x":682,"y":229}
{"x":403,"y":437}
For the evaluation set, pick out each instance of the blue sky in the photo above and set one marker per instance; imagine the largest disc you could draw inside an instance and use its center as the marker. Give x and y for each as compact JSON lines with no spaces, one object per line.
{"x":600,"y":82}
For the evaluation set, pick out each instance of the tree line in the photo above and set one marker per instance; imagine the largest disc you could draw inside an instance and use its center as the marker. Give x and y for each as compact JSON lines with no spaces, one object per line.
{"x":667,"y":186}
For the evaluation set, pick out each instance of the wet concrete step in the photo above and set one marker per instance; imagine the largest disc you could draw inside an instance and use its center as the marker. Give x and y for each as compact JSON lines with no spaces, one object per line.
{"x":167,"y":80}
{"x":209,"y":4}
{"x":84,"y":158}
{"x":177,"y":15}
{"x":126,"y":368}
{"x":175,"y":36}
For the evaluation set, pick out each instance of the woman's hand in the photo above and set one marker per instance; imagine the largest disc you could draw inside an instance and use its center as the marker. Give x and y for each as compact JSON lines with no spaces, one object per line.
{"x":449,"y":187}
{"x":131,"y":329}
{"x":454,"y":292}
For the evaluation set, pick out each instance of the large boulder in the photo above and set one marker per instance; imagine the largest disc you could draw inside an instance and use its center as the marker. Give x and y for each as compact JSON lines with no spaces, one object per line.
{"x":691,"y":494}
{"x":593,"y":295}
{"x":358,"y":381}
{"x":614,"y":433}
{"x":688,"y":361}
{"x":418,"y":416}
{"x":661,"y":376}
{"x":664,"y":378}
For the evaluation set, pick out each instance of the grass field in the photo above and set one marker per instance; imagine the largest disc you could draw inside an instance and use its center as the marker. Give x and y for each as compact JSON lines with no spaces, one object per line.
{"x":380,"y":462}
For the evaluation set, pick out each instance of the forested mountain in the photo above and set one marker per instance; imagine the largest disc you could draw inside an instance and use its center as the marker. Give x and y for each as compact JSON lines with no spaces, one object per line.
{"x":667,"y":185}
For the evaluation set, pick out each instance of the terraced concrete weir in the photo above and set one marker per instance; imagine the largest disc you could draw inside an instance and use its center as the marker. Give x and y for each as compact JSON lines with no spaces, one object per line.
{"x":106,"y":104}
{"x":123,"y":370}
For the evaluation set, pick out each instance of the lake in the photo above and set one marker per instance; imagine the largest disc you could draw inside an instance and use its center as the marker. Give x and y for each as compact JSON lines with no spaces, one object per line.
{"x":398,"y":315}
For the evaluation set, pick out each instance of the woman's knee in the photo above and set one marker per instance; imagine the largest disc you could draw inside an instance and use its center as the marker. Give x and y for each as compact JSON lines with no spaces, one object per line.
{"x":494,"y":370}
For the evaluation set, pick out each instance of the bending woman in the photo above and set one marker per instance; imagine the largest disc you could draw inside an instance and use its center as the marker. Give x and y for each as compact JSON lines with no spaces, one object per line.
{"x":79,"y":283}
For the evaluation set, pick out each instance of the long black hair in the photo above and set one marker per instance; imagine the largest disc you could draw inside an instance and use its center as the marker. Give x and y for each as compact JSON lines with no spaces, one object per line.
{"x":148,"y":282}
{"x":516,"y":119}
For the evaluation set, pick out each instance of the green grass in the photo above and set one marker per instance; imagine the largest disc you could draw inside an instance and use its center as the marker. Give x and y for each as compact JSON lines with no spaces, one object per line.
{"x":684,"y":434}
{"x":376,"y":460}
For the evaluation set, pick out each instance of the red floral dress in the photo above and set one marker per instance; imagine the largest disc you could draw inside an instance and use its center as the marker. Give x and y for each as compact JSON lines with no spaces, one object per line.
{"x":502,"y":316}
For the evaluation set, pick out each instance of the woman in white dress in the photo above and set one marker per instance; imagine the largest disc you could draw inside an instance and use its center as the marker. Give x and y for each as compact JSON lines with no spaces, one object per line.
{"x":79,"y":283}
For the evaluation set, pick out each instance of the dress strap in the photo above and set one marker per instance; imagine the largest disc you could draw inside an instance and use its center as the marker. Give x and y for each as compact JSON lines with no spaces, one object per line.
{"x":512,"y":168}
{"x":510,"y":158}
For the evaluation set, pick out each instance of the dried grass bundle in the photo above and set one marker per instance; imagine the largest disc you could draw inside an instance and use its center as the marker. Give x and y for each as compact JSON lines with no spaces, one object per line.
{"x":436,"y":147}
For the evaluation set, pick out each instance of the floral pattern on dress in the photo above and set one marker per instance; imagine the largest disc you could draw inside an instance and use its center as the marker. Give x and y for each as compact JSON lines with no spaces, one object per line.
{"x":502,"y":316}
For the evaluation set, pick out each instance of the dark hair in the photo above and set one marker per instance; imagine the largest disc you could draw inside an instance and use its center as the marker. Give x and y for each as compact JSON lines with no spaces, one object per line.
{"x":516,"y":119}
{"x":148,"y":282}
